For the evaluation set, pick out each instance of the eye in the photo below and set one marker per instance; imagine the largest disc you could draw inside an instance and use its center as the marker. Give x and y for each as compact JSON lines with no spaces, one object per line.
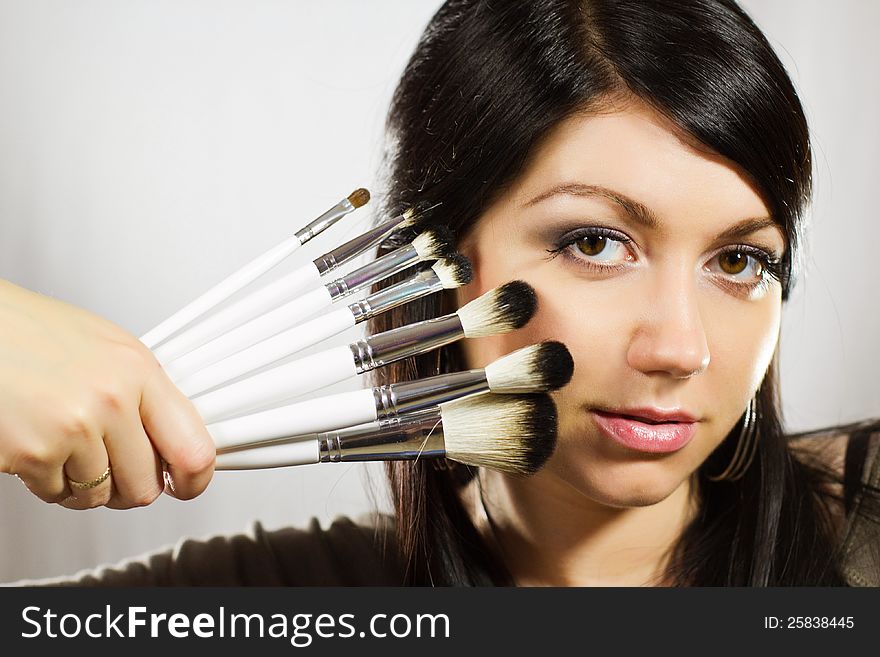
{"x":594,"y":246}
{"x":736,"y":262}
{"x":747,"y":266}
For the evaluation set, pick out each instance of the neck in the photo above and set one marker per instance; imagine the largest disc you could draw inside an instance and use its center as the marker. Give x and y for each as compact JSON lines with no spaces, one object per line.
{"x":549,"y":534}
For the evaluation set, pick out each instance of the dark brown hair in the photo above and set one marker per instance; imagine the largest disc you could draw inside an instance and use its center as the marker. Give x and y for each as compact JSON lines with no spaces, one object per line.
{"x":485,"y":84}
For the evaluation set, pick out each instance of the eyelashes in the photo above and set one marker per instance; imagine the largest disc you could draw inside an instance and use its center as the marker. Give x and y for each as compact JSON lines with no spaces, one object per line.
{"x":588,"y":247}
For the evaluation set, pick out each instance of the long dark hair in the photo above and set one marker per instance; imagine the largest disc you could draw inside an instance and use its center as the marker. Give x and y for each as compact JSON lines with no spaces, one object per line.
{"x":486,"y":83}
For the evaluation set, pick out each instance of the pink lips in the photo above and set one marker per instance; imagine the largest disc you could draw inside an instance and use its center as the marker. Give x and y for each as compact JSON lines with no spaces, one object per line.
{"x":674,"y":431}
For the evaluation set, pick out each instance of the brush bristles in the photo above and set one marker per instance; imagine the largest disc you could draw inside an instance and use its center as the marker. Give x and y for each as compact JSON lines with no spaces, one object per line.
{"x":536,"y":368}
{"x":434,"y":244}
{"x":359,"y":197}
{"x":500,"y":310}
{"x":416,"y":214}
{"x":510,"y":433}
{"x":454,"y":271}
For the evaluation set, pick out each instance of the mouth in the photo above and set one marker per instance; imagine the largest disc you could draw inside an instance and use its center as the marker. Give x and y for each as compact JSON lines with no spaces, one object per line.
{"x":645,"y":433}
{"x":637,"y":418}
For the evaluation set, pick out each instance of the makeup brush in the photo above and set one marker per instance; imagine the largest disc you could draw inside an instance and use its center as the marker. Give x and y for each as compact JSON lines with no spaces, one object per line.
{"x":185,"y":350}
{"x":510,"y":433}
{"x":536,"y":368}
{"x":500,"y":310}
{"x":253,"y":270}
{"x":247,"y":347}
{"x":285,"y":288}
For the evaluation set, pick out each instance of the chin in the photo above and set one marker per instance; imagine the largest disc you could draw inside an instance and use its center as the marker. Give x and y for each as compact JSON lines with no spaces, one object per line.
{"x":624,"y":499}
{"x":622,"y":485}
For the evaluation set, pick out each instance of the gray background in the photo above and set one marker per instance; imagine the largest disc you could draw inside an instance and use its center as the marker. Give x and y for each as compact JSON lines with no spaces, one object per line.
{"x":149,"y":148}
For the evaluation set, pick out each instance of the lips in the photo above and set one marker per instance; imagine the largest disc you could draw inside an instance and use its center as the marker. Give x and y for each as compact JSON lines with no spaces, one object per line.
{"x":647,"y":430}
{"x":653,"y":415}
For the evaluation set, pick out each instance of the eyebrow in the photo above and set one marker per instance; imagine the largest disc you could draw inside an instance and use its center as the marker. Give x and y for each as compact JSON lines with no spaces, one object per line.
{"x":640,"y":213}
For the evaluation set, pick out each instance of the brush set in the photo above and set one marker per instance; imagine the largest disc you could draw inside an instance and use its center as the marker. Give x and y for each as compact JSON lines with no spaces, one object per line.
{"x":241,"y":365}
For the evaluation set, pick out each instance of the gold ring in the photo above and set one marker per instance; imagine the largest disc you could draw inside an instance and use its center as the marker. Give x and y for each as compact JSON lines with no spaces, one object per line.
{"x":86,"y":485}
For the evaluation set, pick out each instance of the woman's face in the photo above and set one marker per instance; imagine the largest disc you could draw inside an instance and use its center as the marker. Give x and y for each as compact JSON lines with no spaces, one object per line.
{"x":626,"y":232}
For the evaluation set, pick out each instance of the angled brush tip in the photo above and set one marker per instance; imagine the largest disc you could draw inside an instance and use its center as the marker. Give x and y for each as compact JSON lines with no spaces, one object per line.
{"x":359,"y":197}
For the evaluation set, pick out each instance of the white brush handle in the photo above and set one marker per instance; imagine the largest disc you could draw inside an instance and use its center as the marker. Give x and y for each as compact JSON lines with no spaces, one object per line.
{"x":248,"y":334}
{"x":221,"y":291}
{"x":278,"y":384}
{"x":312,"y":416}
{"x":253,"y":305}
{"x":268,"y":351}
{"x":279,"y":455}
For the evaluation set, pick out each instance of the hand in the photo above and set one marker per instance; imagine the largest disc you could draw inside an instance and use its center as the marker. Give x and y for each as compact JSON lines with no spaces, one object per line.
{"x":78,"y":393}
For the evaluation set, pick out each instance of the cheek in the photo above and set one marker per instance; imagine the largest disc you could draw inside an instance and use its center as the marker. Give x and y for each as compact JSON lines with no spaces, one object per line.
{"x":569,"y":312}
{"x":742,"y":341}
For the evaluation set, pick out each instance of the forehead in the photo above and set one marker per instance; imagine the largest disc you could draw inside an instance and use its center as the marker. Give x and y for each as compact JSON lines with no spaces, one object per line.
{"x":637,"y":152}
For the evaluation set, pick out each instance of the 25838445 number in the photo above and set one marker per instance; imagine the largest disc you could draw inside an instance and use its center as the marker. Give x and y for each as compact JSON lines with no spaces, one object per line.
{"x":819,"y":622}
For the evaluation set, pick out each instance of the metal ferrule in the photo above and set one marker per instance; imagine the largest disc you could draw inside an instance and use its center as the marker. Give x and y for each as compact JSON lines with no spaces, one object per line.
{"x":421,"y":285}
{"x":372,"y":272}
{"x":396,"y":344}
{"x":324,"y":222}
{"x":353,"y":248}
{"x":408,"y":439}
{"x":410,"y":396}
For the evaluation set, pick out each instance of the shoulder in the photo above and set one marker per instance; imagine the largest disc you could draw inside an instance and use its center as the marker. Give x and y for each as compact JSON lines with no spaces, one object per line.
{"x":349,"y":551}
{"x":358,"y":551}
{"x":847,"y":452}
{"x":345,"y":551}
{"x":851,"y":453}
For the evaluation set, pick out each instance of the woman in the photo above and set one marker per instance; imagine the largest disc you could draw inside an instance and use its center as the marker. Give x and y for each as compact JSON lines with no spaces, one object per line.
{"x":645,"y":166}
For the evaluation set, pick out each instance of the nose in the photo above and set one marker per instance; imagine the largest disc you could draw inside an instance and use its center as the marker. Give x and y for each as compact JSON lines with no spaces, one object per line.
{"x":669,"y":336}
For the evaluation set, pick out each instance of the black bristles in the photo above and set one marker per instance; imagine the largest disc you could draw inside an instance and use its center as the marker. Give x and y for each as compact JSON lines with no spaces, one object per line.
{"x":444,"y":241}
{"x":517,"y":302}
{"x":461,"y":268}
{"x":544,"y":426}
{"x":421,"y":210}
{"x":555,"y":363}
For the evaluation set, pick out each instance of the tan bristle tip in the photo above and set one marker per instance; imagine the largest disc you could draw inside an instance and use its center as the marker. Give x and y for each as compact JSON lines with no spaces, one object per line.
{"x":359,"y":197}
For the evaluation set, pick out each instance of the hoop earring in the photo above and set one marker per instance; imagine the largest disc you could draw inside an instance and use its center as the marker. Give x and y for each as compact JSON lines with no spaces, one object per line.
{"x":746,"y":447}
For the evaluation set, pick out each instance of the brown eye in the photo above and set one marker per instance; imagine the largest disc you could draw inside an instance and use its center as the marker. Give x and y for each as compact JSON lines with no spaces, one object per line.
{"x":592,"y":244}
{"x":734,"y":262}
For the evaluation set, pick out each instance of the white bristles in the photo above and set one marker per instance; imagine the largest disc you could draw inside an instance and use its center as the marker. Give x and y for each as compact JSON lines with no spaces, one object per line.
{"x":414,"y":214}
{"x":434,"y":244}
{"x":453,"y":272}
{"x":511,"y":433}
{"x":538,"y":367}
{"x":500,"y":310}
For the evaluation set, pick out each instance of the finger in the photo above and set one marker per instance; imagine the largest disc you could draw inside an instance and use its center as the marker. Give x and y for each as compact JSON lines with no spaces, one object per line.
{"x":42,"y":473}
{"x":137,"y":473}
{"x":179,"y":434}
{"x":87,"y":462}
